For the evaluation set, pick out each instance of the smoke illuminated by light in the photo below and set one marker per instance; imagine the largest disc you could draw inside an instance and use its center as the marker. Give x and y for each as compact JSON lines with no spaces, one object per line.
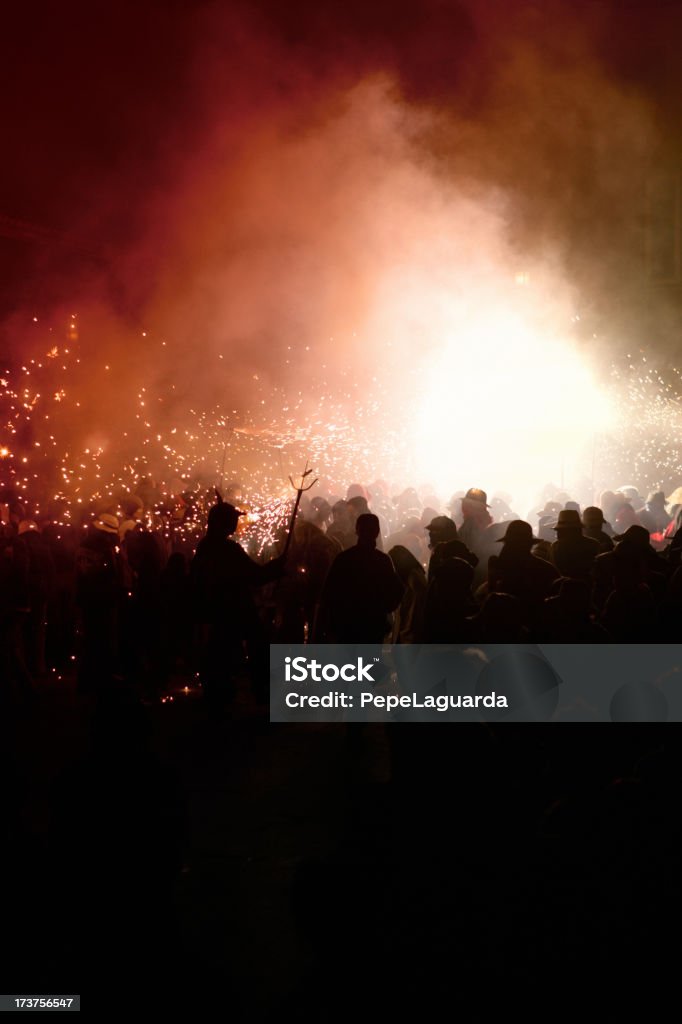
{"x":336,"y":292}
{"x":507,"y":405}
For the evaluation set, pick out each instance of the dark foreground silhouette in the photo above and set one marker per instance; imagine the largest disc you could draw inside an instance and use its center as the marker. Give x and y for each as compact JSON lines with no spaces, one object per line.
{"x":160,"y":835}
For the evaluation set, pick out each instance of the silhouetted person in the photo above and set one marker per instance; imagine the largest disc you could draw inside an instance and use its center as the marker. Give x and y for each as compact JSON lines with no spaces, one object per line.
{"x":440,"y":529}
{"x":572,"y":553}
{"x":320,"y":512}
{"x":361,"y":590}
{"x":654,"y":516}
{"x":476,"y":520}
{"x":408,"y":623}
{"x":443,"y":539}
{"x":358,"y":506}
{"x":222,"y":577}
{"x":310,"y":557}
{"x":625,"y":518}
{"x":629,"y":615}
{"x":410,"y":536}
{"x":593,"y":527}
{"x":518,"y":572}
{"x":566,"y":618}
{"x":609,"y":503}
{"x":603,"y":571}
{"x":341,"y":529}
{"x":448,"y":600}
{"x":674,"y":531}
{"x":655,"y":568}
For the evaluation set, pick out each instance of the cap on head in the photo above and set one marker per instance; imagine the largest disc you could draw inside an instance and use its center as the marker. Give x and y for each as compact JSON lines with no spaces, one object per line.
{"x":443,"y":526}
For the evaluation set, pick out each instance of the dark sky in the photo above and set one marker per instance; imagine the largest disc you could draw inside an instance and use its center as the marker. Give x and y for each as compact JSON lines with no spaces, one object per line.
{"x":100,"y":103}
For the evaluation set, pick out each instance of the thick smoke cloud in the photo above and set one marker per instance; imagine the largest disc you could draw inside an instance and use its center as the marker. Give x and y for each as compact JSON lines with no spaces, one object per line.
{"x":333,"y":206}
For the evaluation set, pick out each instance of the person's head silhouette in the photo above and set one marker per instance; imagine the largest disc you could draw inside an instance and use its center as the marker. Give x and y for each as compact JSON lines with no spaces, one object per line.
{"x":367,"y":529}
{"x":223,"y":519}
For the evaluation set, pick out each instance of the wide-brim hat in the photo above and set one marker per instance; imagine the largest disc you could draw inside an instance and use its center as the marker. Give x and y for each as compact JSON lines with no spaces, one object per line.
{"x":569,"y":519}
{"x":518,"y":530}
{"x":635,"y":536}
{"x":476,"y":494}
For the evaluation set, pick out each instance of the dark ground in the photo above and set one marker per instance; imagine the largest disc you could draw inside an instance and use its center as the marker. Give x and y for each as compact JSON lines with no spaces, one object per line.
{"x":191,"y":856}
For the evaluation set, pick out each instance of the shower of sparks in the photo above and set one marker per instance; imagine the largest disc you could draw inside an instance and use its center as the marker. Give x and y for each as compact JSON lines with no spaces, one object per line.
{"x":61,"y":465}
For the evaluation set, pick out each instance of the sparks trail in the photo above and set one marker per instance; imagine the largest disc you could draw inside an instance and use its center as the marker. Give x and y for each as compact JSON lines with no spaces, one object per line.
{"x":57,"y":448}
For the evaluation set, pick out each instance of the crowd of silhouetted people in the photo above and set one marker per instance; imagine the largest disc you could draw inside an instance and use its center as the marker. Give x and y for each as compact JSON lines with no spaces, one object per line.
{"x":115,"y":597}
{"x":479,"y":829}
